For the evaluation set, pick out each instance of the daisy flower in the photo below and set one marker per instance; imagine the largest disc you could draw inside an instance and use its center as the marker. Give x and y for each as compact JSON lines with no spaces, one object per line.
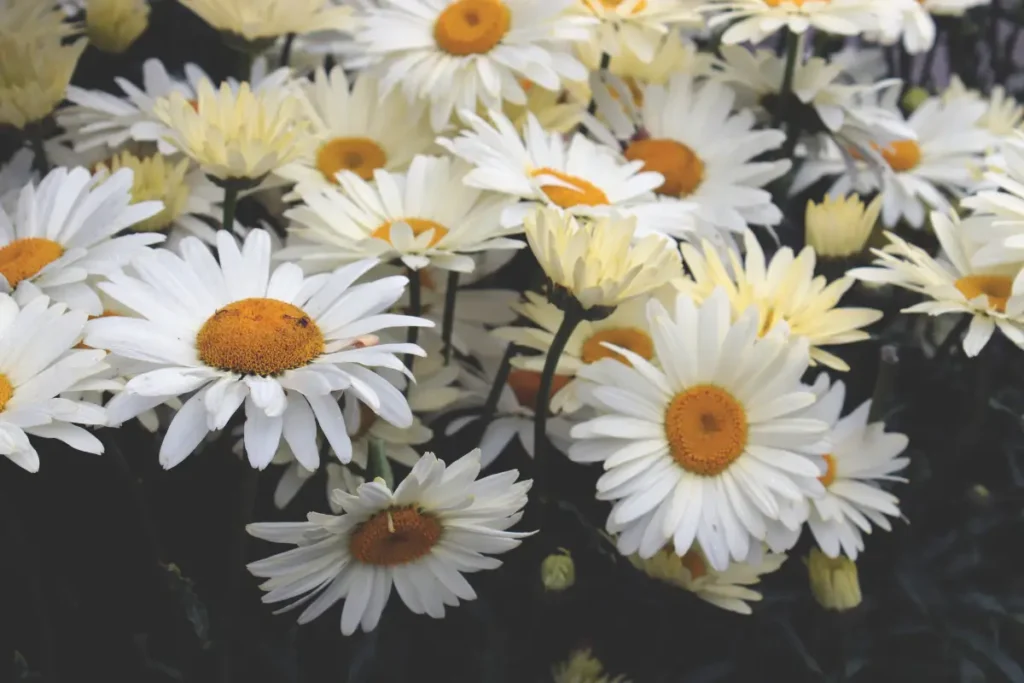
{"x":834,"y":582}
{"x":785,"y":290}
{"x":541,"y":167}
{"x":357,"y":130}
{"x":583,"y":667}
{"x":457,"y":54}
{"x":597,"y":261}
{"x":236,"y":133}
{"x":33,"y":19}
{"x":638,"y":26}
{"x":438,"y":524}
{"x":38,"y":362}
{"x":114,"y":25}
{"x":295,"y":477}
{"x":1004,"y":115}
{"x":706,"y":447}
{"x":559,"y":111}
{"x":690,"y":133}
{"x":912,"y":19}
{"x":755,"y":20}
{"x":991,"y":295}
{"x":626,"y":327}
{"x":34,"y":73}
{"x":1001,"y":239}
{"x":727,"y":589}
{"x":861,"y":456}
{"x":840,"y":228}
{"x":424,"y":216}
{"x":233,"y":332}
{"x":260,"y":20}
{"x":675,"y":55}
{"x":62,"y":232}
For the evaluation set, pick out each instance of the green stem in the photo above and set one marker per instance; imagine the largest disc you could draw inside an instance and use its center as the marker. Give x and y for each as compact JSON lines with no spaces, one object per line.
{"x":783,"y":113}
{"x":245,"y":505}
{"x":378,"y":465}
{"x":230,"y":205}
{"x":448,"y":324}
{"x":412,"y":334}
{"x":491,"y":404}
{"x":286,"y":51}
{"x":885,"y":382}
{"x":40,"y":162}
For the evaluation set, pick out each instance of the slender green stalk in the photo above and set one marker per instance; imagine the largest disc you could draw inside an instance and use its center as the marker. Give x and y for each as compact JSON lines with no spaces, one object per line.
{"x":491,"y":404}
{"x":448,"y":324}
{"x":286,"y":51}
{"x":412,"y":334}
{"x":230,"y":205}
{"x":378,"y":464}
{"x":40,"y":162}
{"x":784,"y":113}
{"x":885,"y":382}
{"x":244,"y":508}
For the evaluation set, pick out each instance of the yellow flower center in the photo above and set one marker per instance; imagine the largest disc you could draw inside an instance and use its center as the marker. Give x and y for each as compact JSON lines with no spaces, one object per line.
{"x":695,"y":564}
{"x":613,"y":4}
{"x":581,"y":192}
{"x":259,"y":337}
{"x":395,"y":536}
{"x":997,"y":288}
{"x":902,"y":155}
{"x":418,"y":225}
{"x":830,"y":472}
{"x":472,"y":27}
{"x":6,"y":391}
{"x":706,"y":429}
{"x":525,"y":385}
{"x":24,"y":258}
{"x":798,"y":3}
{"x":636,"y":340}
{"x":682,"y":168}
{"x":362,"y":156}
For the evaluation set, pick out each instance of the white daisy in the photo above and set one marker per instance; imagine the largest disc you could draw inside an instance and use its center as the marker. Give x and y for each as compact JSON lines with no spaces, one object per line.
{"x":438,"y":524}
{"x":708,"y":447}
{"x":636,"y":26}
{"x":1001,"y":239}
{"x":755,"y":20}
{"x":63,"y":231}
{"x":234,"y":332}
{"x":38,"y":362}
{"x":461,"y":53}
{"x":262,"y":20}
{"x":357,"y":130}
{"x":992,"y":295}
{"x":912,"y":19}
{"x":424,"y":216}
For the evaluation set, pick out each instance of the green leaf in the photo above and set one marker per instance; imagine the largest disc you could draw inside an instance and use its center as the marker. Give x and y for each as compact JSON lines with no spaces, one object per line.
{"x":378,"y":464}
{"x":990,"y":651}
{"x":195,"y":611}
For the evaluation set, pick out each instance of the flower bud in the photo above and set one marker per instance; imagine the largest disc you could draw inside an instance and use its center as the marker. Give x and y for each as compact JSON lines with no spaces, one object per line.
{"x":833,"y":581}
{"x":558,"y":571}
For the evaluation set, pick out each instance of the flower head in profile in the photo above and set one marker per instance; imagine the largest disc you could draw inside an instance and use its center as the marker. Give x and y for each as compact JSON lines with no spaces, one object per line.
{"x":597,"y":261}
{"x":236,"y":133}
{"x":235,"y":332}
{"x":34,"y":73}
{"x":438,"y":524}
{"x":65,"y":229}
{"x":755,"y":20}
{"x":32,"y":19}
{"x":255,"y":20}
{"x":840,"y":228}
{"x":113,"y":25}
{"x":727,"y":589}
{"x":1000,"y":237}
{"x":834,"y":581}
{"x":785,"y":290}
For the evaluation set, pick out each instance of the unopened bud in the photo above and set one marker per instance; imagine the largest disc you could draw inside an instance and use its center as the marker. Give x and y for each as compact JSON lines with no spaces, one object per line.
{"x":914,"y":98}
{"x":558,"y":571}
{"x":834,"y":581}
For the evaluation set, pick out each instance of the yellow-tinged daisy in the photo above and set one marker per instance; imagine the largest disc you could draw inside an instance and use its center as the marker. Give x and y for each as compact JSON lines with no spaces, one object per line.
{"x":236,"y":133}
{"x":839,"y":228}
{"x":1001,"y":239}
{"x":32,"y":19}
{"x":755,"y":20}
{"x":728,"y":589}
{"x":234,"y":332}
{"x":424,"y":216}
{"x":674,"y":55}
{"x":638,"y":26}
{"x":583,"y":667}
{"x":834,"y":581}
{"x":1004,"y":115}
{"x":357,"y":130}
{"x":578,"y":176}
{"x":992,"y":295}
{"x":708,"y":445}
{"x":34,"y":73}
{"x":784,"y":290}
{"x":457,"y":54}
{"x":597,"y":261}
{"x":64,"y":230}
{"x":113,"y":25}
{"x":626,"y":328}
{"x":559,"y":111}
{"x":257,"y":20}
{"x":39,"y":361}
{"x":439,"y":523}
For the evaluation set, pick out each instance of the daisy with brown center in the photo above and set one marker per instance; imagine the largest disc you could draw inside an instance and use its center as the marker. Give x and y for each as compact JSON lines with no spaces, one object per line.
{"x":357,"y":130}
{"x":424,"y":216}
{"x":438,"y":524}
{"x":262,"y":20}
{"x":638,"y":26}
{"x":785,"y":290}
{"x":458,"y":54}
{"x":755,"y":20}
{"x":706,"y":446}
{"x":577,"y":176}
{"x":234,"y":332}
{"x":992,"y":295}
{"x":63,"y":231}
{"x":728,"y":589}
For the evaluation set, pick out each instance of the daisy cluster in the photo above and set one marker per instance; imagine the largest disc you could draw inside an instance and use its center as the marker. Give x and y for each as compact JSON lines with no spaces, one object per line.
{"x":506,"y":224}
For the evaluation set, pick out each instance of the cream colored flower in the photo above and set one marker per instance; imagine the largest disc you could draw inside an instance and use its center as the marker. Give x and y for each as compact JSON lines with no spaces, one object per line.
{"x":262,"y":19}
{"x":30,"y":19}
{"x":235,"y":133}
{"x":593,"y":259}
{"x":784,"y":290}
{"x":834,"y":581}
{"x":34,"y":73}
{"x":840,"y":228}
{"x":583,"y":667}
{"x":555,"y":111}
{"x":636,"y":26}
{"x":113,"y":25}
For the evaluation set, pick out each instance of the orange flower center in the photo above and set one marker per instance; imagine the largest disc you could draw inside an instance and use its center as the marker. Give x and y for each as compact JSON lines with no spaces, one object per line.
{"x":24,"y":258}
{"x":418,"y":225}
{"x":706,"y":429}
{"x":472,"y":27}
{"x":682,"y":168}
{"x":901,"y":155}
{"x":525,"y":385}
{"x":631,"y":338}
{"x":695,"y":564}
{"x":395,"y":536}
{"x":997,"y":288}
{"x":580,"y":191}
{"x":798,"y":3}
{"x":830,"y":472}
{"x":362,"y":156}
{"x":614,"y":4}
{"x":259,"y":337}
{"x":6,"y":391}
